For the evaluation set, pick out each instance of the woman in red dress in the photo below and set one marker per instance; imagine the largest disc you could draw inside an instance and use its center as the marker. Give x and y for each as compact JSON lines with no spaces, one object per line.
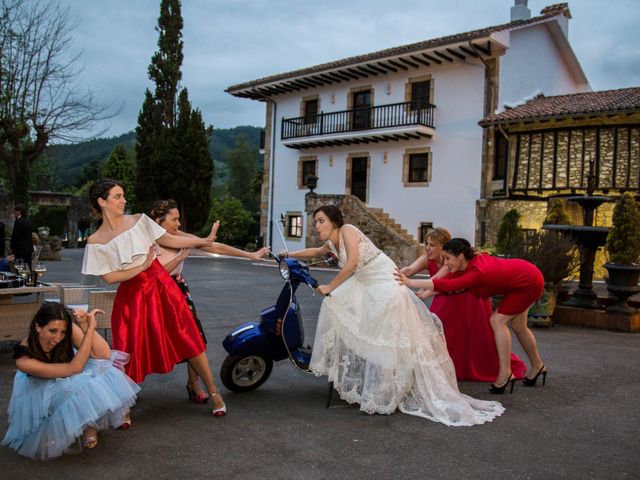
{"x":483,"y":275}
{"x":151,"y":320}
{"x":465,"y":319}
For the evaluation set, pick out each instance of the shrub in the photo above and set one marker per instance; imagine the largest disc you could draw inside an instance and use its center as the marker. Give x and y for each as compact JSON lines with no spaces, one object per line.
{"x":623,"y":241}
{"x":555,"y":254}
{"x":510,"y":240}
{"x":556,"y":214}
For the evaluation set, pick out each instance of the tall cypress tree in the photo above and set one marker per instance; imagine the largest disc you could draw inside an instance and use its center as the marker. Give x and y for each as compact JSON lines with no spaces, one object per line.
{"x":196,"y":166}
{"x":173,"y":159}
{"x":166,"y":63}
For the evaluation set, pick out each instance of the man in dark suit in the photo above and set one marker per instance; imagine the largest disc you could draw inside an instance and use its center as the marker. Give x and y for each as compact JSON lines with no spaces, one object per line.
{"x":3,"y":239}
{"x":21,"y":243}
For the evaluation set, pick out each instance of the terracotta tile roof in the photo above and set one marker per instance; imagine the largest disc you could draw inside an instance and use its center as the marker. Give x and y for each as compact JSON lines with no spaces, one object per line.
{"x":576,"y":104}
{"x":547,"y":13}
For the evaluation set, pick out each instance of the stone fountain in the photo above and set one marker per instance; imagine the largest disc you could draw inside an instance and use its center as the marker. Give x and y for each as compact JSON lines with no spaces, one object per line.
{"x":588,"y":238}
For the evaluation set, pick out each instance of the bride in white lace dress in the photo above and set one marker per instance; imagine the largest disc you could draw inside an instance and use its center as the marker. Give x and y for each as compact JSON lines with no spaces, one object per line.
{"x":377,"y":342}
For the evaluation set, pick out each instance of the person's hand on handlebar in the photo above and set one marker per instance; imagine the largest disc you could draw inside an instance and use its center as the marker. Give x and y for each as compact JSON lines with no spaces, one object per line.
{"x":324,"y":290}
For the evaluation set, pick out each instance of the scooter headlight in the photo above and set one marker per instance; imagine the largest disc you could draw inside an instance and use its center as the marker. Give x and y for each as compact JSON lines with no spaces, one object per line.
{"x":284,"y":270}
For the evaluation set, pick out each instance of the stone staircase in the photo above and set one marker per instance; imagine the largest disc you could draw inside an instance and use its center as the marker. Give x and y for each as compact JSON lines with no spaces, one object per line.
{"x":385,"y":219}
{"x":383,"y":230}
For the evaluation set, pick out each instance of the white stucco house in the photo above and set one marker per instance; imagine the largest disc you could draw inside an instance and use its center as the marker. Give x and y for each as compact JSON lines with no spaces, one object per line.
{"x":398,"y":128}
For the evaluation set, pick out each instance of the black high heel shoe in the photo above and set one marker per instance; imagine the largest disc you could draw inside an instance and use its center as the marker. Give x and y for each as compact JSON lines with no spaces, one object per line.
{"x":499,"y":390}
{"x":200,"y":398}
{"x":531,"y":382}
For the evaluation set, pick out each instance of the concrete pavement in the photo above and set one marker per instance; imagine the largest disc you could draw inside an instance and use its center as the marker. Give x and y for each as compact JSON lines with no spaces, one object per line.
{"x":585,"y":423}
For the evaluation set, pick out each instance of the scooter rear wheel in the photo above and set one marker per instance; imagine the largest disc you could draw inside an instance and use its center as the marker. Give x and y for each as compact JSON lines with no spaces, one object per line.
{"x":243,"y":374}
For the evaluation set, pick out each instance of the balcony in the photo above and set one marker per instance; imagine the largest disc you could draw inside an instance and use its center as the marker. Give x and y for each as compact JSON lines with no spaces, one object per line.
{"x":393,"y":122}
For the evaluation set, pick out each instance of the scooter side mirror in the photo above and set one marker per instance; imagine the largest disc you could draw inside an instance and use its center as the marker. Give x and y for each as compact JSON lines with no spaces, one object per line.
{"x":331,"y":259}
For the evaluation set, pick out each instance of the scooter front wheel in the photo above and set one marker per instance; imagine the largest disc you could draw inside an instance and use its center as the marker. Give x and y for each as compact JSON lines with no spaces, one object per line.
{"x":243,"y":374}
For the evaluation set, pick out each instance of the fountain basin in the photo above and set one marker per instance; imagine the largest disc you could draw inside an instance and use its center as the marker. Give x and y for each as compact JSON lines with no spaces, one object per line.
{"x":583,"y":234}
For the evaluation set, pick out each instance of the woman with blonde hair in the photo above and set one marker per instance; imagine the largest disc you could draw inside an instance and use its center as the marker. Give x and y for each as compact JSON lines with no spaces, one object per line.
{"x":465,"y":319}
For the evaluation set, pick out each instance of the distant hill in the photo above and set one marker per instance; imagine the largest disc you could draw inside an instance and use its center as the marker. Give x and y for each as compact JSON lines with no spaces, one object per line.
{"x":68,"y":161}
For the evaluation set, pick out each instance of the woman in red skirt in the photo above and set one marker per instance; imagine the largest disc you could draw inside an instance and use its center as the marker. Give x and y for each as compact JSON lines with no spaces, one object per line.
{"x":483,"y":275}
{"x":465,"y":318}
{"x":151,"y":320}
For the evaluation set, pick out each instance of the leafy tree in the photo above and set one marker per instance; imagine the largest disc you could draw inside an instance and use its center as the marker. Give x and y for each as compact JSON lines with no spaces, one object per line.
{"x":193,"y":185}
{"x":165,"y":66}
{"x":120,"y":166}
{"x":242,"y":167}
{"x":172,"y":149}
{"x":91,"y":172}
{"x":236,"y":223}
{"x":510,"y":240}
{"x":39,"y":101}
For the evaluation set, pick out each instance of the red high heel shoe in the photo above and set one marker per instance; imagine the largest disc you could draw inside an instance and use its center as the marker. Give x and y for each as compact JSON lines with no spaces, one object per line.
{"x":126,"y":424}
{"x":218,"y":412}
{"x":200,"y":397}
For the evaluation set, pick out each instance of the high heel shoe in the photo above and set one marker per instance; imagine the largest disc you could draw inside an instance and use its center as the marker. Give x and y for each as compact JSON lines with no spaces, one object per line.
{"x":499,"y":390}
{"x":90,"y":438}
{"x":531,"y":382}
{"x":218,"y":412}
{"x":126,"y":423}
{"x":200,"y":397}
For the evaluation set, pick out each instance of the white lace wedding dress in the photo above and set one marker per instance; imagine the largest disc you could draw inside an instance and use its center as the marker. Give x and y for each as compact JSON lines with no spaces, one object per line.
{"x":382,"y":348}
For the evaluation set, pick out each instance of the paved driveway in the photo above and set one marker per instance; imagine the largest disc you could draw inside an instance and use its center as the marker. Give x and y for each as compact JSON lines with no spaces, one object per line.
{"x":584,"y":424}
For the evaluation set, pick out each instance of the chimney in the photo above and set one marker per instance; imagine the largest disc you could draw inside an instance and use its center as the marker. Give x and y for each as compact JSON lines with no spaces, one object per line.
{"x":520,"y":11}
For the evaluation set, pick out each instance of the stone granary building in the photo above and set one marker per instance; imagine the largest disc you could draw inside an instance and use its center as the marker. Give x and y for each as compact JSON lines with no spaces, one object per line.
{"x":549,"y":146}
{"x":392,"y":136}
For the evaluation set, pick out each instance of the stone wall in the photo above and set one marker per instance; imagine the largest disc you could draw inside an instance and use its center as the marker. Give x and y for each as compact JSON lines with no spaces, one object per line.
{"x":401,"y":251}
{"x":533,"y":213}
{"x":559,"y":159}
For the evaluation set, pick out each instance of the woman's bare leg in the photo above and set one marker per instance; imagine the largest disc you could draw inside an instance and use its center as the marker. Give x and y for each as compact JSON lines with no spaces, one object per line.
{"x":201,"y":366}
{"x":503,"y":345}
{"x":528,"y":342}
{"x":193,"y":380}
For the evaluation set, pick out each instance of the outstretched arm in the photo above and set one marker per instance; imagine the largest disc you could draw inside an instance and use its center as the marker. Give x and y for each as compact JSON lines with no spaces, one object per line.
{"x":223,"y":249}
{"x":309,"y":252}
{"x":417,"y":266}
{"x":425,"y":284}
{"x":181,"y":241}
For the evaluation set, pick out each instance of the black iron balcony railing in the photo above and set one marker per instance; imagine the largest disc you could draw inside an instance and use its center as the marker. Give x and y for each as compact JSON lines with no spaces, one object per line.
{"x":358,"y":119}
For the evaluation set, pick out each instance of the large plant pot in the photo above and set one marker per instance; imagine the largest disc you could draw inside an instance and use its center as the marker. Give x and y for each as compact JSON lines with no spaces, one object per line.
{"x":622,"y":283}
{"x":542,"y":309}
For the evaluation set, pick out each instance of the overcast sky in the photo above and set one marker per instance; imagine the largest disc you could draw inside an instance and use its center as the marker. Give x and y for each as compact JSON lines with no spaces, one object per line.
{"x":233,"y":41}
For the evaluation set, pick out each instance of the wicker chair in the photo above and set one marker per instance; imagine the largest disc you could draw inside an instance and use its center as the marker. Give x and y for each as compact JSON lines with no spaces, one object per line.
{"x":15,"y":320}
{"x":102,"y":299}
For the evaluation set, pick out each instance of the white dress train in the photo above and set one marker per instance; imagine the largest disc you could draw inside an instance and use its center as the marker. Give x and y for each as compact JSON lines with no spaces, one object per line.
{"x":382,"y":348}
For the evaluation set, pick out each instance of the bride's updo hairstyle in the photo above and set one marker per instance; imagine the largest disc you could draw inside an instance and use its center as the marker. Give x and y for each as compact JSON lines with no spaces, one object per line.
{"x":101,"y":189}
{"x":161,"y":208}
{"x":457,"y":246}
{"x":333,"y":213}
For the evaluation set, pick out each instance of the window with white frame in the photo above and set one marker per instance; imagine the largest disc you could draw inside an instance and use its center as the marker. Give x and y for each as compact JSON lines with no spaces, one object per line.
{"x":294,"y":225}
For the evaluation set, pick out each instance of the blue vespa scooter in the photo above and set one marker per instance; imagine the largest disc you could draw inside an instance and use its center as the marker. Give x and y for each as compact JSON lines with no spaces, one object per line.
{"x":254,"y":346}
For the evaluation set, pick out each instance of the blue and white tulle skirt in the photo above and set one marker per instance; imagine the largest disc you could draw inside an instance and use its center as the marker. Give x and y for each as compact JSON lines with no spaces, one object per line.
{"x":47,"y":416}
